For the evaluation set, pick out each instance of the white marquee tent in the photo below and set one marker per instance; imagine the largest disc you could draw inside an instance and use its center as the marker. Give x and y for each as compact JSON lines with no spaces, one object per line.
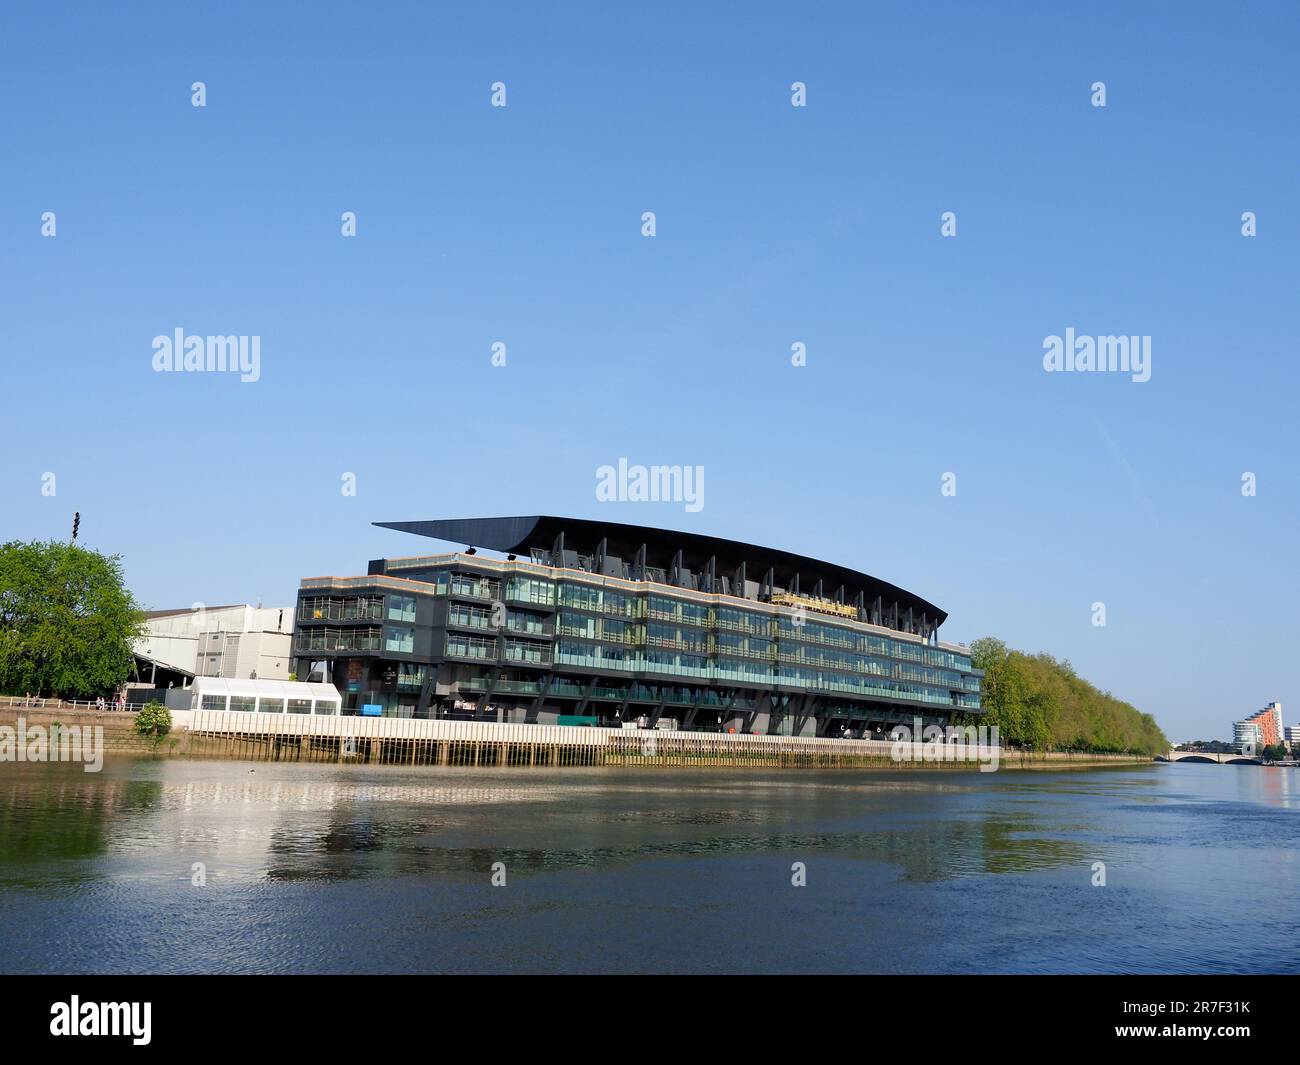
{"x":265,"y":696}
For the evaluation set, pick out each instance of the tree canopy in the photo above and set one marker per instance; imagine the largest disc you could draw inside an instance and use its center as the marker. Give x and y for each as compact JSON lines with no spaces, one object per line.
{"x":67,"y":620}
{"x":1037,"y":701}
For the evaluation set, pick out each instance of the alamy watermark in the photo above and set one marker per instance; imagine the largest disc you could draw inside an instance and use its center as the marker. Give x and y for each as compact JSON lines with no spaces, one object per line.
{"x":77,"y":1018}
{"x":179,"y":353}
{"x":626,"y":483}
{"x":1109,"y":354}
{"x":60,"y":743}
{"x":953,"y":743}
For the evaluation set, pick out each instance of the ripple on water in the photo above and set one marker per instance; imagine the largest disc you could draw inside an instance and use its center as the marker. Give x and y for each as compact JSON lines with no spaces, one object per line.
{"x":318,"y":868}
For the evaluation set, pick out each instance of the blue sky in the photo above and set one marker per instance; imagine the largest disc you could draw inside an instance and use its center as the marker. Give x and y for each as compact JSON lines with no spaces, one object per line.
{"x":775,"y":225}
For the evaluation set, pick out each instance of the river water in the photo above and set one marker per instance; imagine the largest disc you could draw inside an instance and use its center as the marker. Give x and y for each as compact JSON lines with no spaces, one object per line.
{"x":309,"y":868}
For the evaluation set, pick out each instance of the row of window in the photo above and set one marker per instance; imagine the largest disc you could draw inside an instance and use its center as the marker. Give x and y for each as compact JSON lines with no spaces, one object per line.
{"x":410,"y":676}
{"x":356,"y":608}
{"x":462,"y":645}
{"x":521,"y":589}
{"x":741,"y":645}
{"x":600,"y":600}
{"x":467,"y":615}
{"x":683,"y":610}
{"x":507,"y":683}
{"x":730,"y":617}
{"x":945,"y":677}
{"x":523,"y":621}
{"x":399,"y":639}
{"x":476,"y":617}
{"x":640,"y":693}
{"x":688,"y":649}
{"x":594,"y":628}
{"x":668,"y":649}
{"x":602,"y":656}
{"x":475,"y":586}
{"x":616,"y":605}
{"x":575,"y":687}
{"x":658,"y":660}
{"x":442,"y":582}
{"x":527,"y":651}
{"x":335,"y":608}
{"x":696,"y":641}
{"x":401,"y":608}
{"x":361,"y":638}
{"x":268,"y":704}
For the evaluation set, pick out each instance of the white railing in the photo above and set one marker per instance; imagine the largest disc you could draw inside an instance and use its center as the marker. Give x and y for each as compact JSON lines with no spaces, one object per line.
{"x":33,"y":702}
{"x":225,"y":722}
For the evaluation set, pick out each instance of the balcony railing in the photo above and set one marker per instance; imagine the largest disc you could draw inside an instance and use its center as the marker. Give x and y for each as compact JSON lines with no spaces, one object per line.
{"x":327,"y":639}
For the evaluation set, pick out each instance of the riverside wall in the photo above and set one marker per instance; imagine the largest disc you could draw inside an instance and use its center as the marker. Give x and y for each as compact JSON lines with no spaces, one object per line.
{"x":411,"y":742}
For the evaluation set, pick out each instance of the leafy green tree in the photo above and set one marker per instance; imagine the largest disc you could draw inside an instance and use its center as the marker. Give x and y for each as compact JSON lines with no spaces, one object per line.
{"x":67,"y":620}
{"x":1039,"y":702}
{"x":154,"y":720}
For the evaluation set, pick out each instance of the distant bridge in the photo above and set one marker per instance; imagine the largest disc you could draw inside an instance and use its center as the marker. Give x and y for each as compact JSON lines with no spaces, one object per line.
{"x":1230,"y":758}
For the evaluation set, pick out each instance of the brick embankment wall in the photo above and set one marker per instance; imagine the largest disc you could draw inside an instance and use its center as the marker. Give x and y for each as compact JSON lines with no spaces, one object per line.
{"x":1014,"y":759}
{"x":120,"y":736}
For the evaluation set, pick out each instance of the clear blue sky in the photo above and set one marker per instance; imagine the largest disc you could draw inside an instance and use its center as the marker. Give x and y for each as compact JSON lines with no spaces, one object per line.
{"x":775,"y":225}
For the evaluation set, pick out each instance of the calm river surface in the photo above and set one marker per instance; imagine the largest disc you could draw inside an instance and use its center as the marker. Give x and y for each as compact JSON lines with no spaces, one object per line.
{"x":347,"y":869}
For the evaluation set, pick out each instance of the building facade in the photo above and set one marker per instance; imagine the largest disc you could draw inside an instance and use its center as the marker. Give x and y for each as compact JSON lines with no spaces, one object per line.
{"x":589,"y":622}
{"x":1246,"y":736}
{"x":1263,"y":728}
{"x":239,"y":640}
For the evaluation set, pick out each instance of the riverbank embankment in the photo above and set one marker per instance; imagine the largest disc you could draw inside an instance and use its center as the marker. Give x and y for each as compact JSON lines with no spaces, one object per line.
{"x":411,"y":742}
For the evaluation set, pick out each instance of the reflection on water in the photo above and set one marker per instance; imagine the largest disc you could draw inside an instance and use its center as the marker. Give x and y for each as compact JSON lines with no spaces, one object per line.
{"x":320,"y":868}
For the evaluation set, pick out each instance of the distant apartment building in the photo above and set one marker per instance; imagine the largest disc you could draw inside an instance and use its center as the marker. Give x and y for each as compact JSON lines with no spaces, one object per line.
{"x":1261,"y":729}
{"x":1292,"y":735}
{"x":237,"y":641}
{"x":1245,"y":734}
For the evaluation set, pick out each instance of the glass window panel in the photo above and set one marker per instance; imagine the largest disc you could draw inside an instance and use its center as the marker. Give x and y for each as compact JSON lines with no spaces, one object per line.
{"x":399,"y":639}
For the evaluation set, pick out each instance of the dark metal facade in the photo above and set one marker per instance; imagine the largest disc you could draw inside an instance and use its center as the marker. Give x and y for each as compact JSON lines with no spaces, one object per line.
{"x":598,"y":622}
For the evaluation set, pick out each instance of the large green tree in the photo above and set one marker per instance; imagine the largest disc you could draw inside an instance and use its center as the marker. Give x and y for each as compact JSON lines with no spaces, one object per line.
{"x":67,"y":620}
{"x":1039,"y":702}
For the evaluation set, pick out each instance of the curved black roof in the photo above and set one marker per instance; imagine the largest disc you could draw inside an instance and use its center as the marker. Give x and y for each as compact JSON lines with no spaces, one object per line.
{"x":518,"y":535}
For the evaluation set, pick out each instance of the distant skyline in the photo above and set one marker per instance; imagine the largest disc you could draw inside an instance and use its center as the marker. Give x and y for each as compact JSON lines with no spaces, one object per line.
{"x":774,"y":226}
